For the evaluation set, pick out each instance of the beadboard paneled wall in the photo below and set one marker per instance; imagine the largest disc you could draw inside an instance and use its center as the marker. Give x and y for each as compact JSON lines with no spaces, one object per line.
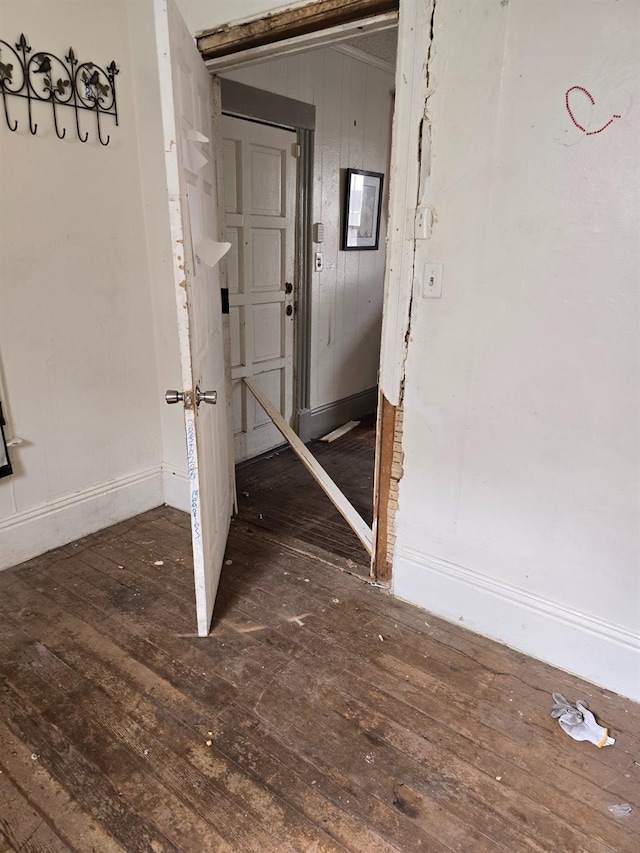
{"x":354,"y":103}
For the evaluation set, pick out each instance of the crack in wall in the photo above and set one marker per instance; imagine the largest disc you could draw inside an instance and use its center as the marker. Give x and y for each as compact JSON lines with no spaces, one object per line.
{"x":424,"y":171}
{"x":397,"y":460}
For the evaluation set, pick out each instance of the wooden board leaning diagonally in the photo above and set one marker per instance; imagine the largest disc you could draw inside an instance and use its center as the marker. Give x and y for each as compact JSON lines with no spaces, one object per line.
{"x":335,"y":495}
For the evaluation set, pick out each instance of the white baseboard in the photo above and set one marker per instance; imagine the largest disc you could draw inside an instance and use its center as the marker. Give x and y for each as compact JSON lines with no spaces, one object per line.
{"x":175,"y":488}
{"x":27,"y":534}
{"x":603,"y":653}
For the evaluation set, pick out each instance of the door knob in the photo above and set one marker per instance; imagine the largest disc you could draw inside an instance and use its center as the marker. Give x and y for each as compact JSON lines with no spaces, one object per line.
{"x":288,"y":310}
{"x":288,"y":287}
{"x":173,"y":396}
{"x":206,"y":397}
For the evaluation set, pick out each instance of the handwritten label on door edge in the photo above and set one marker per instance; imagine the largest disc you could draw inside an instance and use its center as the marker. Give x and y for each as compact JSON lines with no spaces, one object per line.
{"x":192,"y":467}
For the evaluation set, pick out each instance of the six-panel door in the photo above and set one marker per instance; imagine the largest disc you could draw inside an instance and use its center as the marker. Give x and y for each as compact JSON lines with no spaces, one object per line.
{"x":260,"y":196}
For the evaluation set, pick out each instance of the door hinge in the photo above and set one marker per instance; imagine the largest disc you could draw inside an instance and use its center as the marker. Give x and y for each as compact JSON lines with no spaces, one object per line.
{"x":295,"y":149}
{"x":224,"y":296}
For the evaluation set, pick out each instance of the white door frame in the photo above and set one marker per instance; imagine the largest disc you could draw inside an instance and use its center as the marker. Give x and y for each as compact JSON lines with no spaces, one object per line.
{"x":410,"y":159}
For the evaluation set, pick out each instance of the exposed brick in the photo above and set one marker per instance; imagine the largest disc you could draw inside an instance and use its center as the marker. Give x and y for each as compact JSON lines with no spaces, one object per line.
{"x":396,"y":476}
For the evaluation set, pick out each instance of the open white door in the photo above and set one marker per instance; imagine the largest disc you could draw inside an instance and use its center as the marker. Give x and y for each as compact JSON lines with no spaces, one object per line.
{"x":186,"y":95}
{"x":260,"y":202}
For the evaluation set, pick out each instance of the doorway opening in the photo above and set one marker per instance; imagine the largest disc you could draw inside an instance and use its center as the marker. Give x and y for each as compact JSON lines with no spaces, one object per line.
{"x":305,"y":315}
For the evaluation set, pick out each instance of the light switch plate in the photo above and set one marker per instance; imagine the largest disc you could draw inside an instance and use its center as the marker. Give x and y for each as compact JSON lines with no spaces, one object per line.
{"x":432,"y":281}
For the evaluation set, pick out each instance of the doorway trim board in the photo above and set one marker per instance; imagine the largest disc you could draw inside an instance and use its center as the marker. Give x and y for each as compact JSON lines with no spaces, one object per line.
{"x":298,"y":24}
{"x":248,"y":102}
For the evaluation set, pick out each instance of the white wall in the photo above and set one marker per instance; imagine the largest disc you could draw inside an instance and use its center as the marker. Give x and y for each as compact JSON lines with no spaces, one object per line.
{"x":519,"y":505}
{"x":353,"y":101}
{"x":76,"y":331}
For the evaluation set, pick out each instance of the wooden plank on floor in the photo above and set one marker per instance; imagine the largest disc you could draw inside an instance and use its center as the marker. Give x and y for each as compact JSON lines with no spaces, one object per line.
{"x":335,"y":495}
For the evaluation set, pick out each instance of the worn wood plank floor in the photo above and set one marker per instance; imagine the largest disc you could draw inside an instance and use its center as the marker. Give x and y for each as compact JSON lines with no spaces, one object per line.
{"x":320,"y":715}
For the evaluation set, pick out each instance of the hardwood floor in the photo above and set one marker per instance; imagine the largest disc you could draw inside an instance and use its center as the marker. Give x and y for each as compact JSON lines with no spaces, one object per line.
{"x":277,"y":493}
{"x":319,"y":715}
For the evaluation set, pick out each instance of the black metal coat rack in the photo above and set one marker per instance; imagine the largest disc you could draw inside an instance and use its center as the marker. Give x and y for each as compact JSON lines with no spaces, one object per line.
{"x":45,"y":78}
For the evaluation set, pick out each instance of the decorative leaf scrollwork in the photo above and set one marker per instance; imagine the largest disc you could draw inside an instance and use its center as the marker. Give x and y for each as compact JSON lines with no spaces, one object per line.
{"x":44,"y":77}
{"x":6,"y":79}
{"x":6,"y":71}
{"x":94,"y":81}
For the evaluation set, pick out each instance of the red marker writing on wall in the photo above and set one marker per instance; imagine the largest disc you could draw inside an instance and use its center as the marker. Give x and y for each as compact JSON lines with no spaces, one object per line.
{"x":592,"y":100}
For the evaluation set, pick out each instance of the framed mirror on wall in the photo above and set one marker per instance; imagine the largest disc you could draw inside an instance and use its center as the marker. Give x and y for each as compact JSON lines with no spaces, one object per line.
{"x":5,"y":463}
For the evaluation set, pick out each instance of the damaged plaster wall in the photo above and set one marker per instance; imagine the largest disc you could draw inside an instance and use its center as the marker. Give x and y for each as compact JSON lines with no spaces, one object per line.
{"x":519,"y":505}
{"x":76,"y":334}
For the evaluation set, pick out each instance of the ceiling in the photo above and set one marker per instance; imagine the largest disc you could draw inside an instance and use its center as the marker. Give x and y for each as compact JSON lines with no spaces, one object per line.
{"x":381,"y":45}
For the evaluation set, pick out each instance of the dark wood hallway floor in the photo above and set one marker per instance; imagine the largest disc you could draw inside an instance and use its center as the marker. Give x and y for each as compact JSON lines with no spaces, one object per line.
{"x":277,"y":493}
{"x":319,"y":715}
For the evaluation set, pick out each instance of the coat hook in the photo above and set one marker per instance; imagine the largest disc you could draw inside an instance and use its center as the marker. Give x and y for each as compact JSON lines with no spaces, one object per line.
{"x":32,"y":127}
{"x":6,"y":113}
{"x":55,"y":124}
{"x":99,"y":130}
{"x":80,"y":137}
